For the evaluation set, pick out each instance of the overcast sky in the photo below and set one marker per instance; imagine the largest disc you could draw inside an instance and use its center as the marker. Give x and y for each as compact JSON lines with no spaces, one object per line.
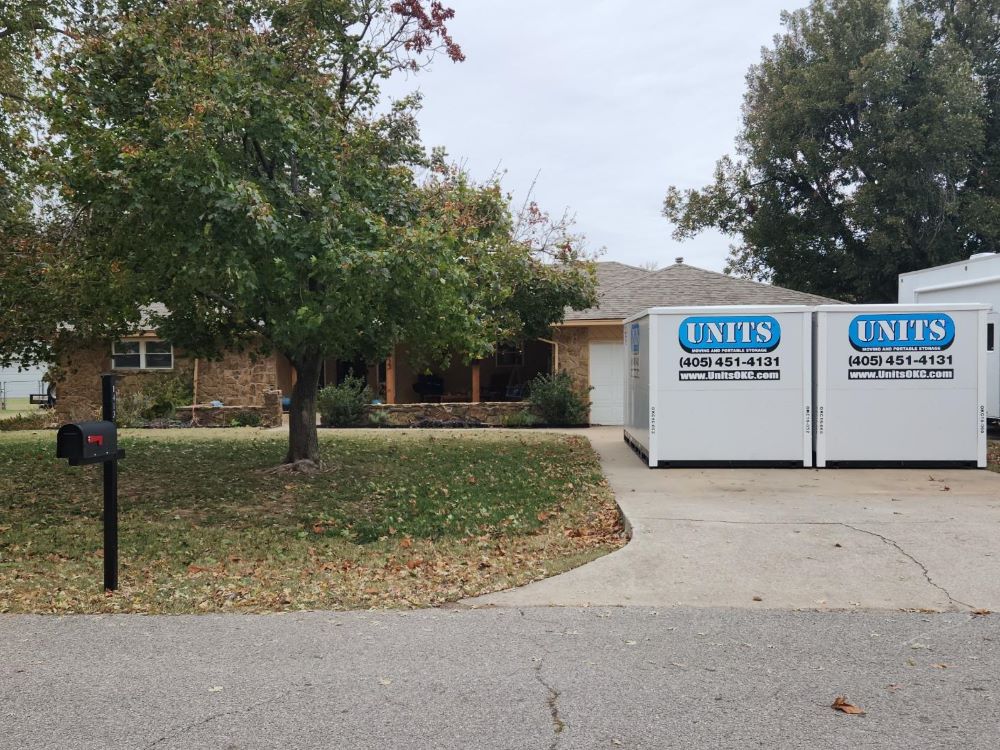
{"x":608,"y":101}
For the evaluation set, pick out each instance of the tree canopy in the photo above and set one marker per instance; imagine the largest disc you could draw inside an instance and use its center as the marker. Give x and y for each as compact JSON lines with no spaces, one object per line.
{"x":236,"y":162}
{"x":870,"y":146}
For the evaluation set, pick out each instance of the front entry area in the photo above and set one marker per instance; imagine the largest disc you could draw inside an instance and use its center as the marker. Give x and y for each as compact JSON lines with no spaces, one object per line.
{"x":607,"y":376}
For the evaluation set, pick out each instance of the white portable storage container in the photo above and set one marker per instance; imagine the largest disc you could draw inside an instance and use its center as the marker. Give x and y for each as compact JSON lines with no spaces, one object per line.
{"x":974,"y":280}
{"x":901,"y":384}
{"x":720,"y":385}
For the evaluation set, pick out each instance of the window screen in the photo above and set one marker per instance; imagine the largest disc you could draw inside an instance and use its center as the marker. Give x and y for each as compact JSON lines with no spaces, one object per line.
{"x":125,"y":355}
{"x":159,"y":355}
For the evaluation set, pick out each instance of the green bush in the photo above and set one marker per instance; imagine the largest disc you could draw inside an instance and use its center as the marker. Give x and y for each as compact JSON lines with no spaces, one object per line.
{"x":554,"y":399}
{"x":379,"y":418}
{"x":131,"y":408}
{"x":344,"y":405}
{"x":151,"y":397}
{"x":34,"y":421}
{"x":520,"y":419}
{"x":166,"y":394}
{"x":248,"y":418}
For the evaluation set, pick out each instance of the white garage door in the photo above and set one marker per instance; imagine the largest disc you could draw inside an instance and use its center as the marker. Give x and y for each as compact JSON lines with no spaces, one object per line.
{"x":607,"y":376}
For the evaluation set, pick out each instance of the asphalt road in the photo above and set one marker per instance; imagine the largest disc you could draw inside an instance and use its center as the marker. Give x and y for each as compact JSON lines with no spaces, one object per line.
{"x":501,"y":678}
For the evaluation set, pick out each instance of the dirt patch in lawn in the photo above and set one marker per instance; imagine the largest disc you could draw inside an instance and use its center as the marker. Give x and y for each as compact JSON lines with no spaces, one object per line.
{"x":395,"y":519}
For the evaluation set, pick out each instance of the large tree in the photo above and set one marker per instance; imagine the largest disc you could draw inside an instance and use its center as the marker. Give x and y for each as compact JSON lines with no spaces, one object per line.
{"x":235,"y":162}
{"x":870,"y":146}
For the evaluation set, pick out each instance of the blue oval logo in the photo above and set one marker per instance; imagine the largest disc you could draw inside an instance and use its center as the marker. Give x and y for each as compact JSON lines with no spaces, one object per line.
{"x":729,"y":333}
{"x":902,"y":332}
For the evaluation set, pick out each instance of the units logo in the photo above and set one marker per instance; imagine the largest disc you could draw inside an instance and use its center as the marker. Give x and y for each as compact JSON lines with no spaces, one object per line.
{"x":902,"y":332}
{"x":634,"y":336}
{"x":729,"y":333}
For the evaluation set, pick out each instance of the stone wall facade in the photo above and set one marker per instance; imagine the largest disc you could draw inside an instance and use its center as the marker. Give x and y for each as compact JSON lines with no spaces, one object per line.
{"x":574,"y":349}
{"x":487,"y":412}
{"x":574,"y":354}
{"x":270,"y":413}
{"x":238,"y":379}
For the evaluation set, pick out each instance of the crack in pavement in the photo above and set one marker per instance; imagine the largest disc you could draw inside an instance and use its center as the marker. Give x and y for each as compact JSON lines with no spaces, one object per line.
{"x":891,"y":542}
{"x":923,"y":568}
{"x":182,"y":730}
{"x":552,"y":701}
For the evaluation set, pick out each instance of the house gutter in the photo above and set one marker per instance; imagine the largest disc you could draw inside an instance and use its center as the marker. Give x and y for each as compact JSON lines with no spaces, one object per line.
{"x":555,"y":353}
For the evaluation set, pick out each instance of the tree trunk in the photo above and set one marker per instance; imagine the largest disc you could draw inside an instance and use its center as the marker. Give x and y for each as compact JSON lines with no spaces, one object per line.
{"x":303,"y":441}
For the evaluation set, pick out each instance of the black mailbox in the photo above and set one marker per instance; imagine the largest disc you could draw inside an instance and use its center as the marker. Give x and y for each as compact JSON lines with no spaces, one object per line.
{"x":88,"y":442}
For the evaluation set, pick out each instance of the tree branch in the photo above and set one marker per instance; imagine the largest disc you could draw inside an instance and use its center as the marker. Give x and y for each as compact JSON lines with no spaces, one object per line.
{"x":268,"y":166}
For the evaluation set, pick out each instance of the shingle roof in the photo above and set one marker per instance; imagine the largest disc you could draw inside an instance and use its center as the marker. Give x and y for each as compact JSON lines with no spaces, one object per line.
{"x":679,"y":285}
{"x":611,"y":273}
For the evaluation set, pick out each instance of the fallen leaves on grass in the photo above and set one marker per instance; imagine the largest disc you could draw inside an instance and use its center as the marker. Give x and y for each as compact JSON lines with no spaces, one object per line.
{"x":841,"y":704}
{"x":265,"y":544}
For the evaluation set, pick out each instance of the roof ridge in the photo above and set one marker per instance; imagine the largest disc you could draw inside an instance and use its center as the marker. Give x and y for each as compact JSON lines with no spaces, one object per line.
{"x":627,"y":281}
{"x":619,"y":263}
{"x":743,"y":280}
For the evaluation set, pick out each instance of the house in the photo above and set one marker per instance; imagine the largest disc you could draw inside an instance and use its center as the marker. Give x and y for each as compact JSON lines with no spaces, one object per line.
{"x":590,"y":341}
{"x":587,"y":344}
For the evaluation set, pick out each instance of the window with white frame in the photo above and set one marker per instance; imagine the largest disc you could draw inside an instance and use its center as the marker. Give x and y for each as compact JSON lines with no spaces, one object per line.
{"x":142,"y":354}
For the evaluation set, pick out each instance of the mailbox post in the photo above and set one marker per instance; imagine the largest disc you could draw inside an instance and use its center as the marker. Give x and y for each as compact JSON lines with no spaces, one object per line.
{"x":110,"y":469}
{"x":97,"y":442}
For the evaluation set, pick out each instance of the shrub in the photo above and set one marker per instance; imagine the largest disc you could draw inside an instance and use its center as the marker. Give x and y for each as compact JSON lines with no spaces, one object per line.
{"x":520,"y":419}
{"x":34,"y":421}
{"x":166,"y":394}
{"x":131,"y":408}
{"x":379,"y":418}
{"x":556,"y":401}
{"x":248,"y":418}
{"x":153,"y":397}
{"x":344,"y":405}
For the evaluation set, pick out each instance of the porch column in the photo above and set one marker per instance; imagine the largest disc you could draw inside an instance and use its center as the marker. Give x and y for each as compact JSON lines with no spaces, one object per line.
{"x":475,"y":382}
{"x":390,"y":379}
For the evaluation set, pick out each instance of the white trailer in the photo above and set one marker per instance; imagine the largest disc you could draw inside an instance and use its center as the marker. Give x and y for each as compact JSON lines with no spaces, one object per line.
{"x":974,"y":280}
{"x":726,"y":385}
{"x":900,"y":384}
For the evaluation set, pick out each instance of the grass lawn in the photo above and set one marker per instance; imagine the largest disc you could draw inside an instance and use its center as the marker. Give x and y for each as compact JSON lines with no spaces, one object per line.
{"x":397,"y":519}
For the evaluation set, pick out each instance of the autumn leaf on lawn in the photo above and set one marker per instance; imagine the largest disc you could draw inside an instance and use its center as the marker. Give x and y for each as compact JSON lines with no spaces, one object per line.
{"x":196,"y":569}
{"x":841,"y":704}
{"x":406,"y":543}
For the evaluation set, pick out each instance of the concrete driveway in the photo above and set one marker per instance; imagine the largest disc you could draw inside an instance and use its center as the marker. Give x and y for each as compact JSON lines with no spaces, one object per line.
{"x":789,"y":538}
